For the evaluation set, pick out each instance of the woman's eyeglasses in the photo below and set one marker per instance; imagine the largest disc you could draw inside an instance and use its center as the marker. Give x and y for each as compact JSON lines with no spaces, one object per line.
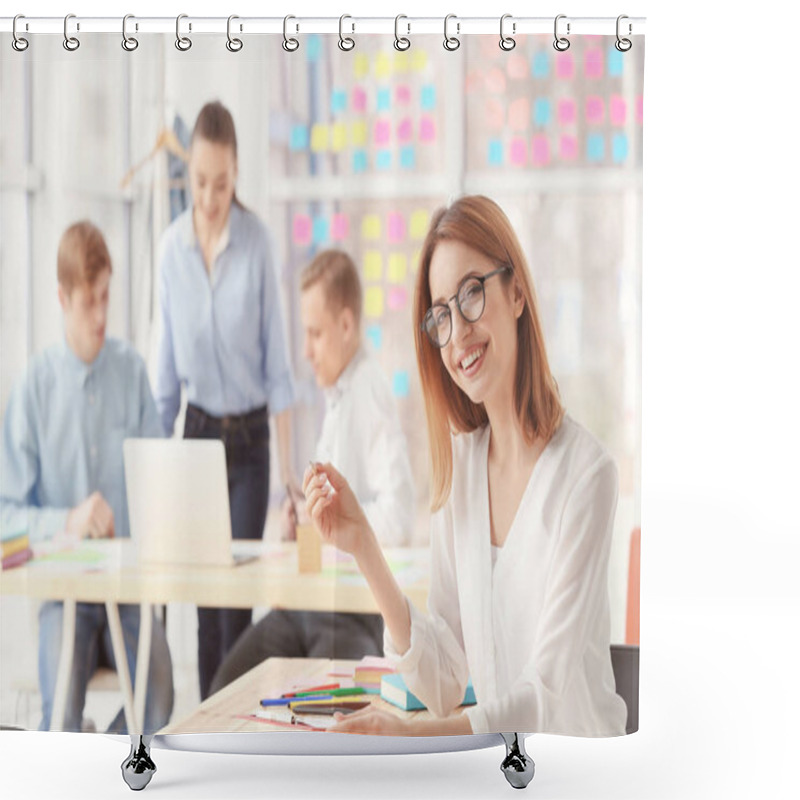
{"x":470,"y":302}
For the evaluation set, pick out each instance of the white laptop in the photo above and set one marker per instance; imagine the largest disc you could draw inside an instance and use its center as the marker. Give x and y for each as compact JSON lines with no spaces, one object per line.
{"x":178,"y":503}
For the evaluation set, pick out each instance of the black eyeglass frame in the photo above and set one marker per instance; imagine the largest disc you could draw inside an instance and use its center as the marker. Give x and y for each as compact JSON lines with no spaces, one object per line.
{"x":482,"y":280}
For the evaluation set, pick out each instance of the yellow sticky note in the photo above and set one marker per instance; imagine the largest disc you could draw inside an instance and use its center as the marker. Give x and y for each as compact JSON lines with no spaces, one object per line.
{"x":373,"y":301}
{"x":320,"y":134}
{"x":373,"y":265}
{"x":401,"y":62}
{"x":418,"y":225}
{"x":360,"y":65}
{"x":338,"y":137}
{"x":419,"y":60}
{"x":383,"y":65}
{"x":398,"y":268}
{"x":358,"y":134}
{"x":415,"y":260}
{"x":371,"y":227}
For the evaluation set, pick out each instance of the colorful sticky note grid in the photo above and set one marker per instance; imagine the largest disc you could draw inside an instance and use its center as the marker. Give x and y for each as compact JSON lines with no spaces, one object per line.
{"x":373,"y":265}
{"x":371,"y":227}
{"x":593,"y":63}
{"x":313,"y":47}
{"x":320,"y":135}
{"x":540,"y":67}
{"x":340,"y":227}
{"x":418,"y":226}
{"x":382,"y":132}
{"x":395,"y":227}
{"x":373,"y":302}
{"x":383,"y":65}
{"x":383,"y":99}
{"x":359,"y":160}
{"x":405,"y":130}
{"x":398,"y":298}
{"x":298,"y":139}
{"x":518,"y":152}
{"x":568,"y":148}
{"x":614,"y":62}
{"x":301,"y":229}
{"x":595,"y":110}
{"x":427,"y":98}
{"x":517,"y":67}
{"x":338,"y":136}
{"x":383,"y":159}
{"x":495,"y":152}
{"x":360,"y":65}
{"x":519,"y":113}
{"x":358,"y":133}
{"x":374,"y":334}
{"x":408,"y":158}
{"x":402,"y":94}
{"x":400,"y":383}
{"x":540,"y":151}
{"x":358,"y":99}
{"x":565,"y":65}
{"x":566,"y":111}
{"x":398,"y":268}
{"x":619,"y":147}
{"x":427,"y":128}
{"x":617,"y":109}
{"x":595,"y":147}
{"x":320,"y":230}
{"x":338,"y":100}
{"x":541,"y":111}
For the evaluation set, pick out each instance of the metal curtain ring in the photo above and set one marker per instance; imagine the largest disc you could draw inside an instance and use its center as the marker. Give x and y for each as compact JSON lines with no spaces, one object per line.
{"x":233,"y":44}
{"x":506,"y":42}
{"x":401,"y":42}
{"x":19,"y":43}
{"x":183,"y":43}
{"x":290,"y":44}
{"x":623,"y":44}
{"x":129,"y":43}
{"x":71,"y":43}
{"x":451,"y":42}
{"x":561,"y":43}
{"x":346,"y":43}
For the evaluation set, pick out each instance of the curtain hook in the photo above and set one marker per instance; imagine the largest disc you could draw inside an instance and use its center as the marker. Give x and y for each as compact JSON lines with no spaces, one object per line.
{"x":290,"y":44}
{"x":507,"y":42}
{"x":233,"y":44}
{"x":71,"y":43}
{"x":129,"y":43}
{"x":451,"y":43}
{"x":19,"y":43}
{"x":401,"y":42}
{"x":561,"y":43}
{"x":346,"y":43}
{"x":623,"y":44}
{"x":183,"y":43}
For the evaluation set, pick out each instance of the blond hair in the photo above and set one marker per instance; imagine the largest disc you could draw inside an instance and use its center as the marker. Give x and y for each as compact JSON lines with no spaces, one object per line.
{"x":82,"y":255}
{"x":339,"y":276}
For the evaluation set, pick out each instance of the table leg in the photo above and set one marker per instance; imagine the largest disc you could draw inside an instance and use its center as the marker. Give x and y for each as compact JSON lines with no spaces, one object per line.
{"x":121,"y":660}
{"x":64,"y":666}
{"x":143,"y":659}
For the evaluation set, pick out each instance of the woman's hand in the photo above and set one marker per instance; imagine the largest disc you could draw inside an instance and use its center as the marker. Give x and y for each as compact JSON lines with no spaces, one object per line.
{"x":374,"y":721}
{"x":334,"y":510}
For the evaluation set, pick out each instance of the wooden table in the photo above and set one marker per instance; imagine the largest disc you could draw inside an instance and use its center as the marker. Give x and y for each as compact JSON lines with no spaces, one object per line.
{"x":271,"y":579}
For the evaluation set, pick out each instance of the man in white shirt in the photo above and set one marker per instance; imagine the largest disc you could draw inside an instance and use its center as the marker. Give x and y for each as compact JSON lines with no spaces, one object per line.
{"x":362,"y":437}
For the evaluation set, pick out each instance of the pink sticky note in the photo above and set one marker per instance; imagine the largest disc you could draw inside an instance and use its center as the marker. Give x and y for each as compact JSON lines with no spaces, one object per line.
{"x":519,"y":152}
{"x":593,"y":65}
{"x":617,"y":110}
{"x":301,"y":229}
{"x":639,"y":109}
{"x":398,"y":297}
{"x":568,"y":148}
{"x":427,"y":128}
{"x":495,"y":114}
{"x":517,"y":67}
{"x":594,"y":110}
{"x":565,"y":67}
{"x":396,"y":227}
{"x":340,"y":227}
{"x":382,"y":132}
{"x":540,"y":151}
{"x":519,"y":114}
{"x":566,"y":111}
{"x":405,"y":130}
{"x":496,"y":81}
{"x":359,"y":99}
{"x":403,"y":94}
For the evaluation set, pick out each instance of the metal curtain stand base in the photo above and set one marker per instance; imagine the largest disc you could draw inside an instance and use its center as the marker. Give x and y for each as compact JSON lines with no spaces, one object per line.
{"x":517,"y":766}
{"x":138,"y":768}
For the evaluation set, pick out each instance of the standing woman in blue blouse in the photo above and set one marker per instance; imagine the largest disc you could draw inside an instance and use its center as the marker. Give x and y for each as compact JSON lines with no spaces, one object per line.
{"x":223,"y":342}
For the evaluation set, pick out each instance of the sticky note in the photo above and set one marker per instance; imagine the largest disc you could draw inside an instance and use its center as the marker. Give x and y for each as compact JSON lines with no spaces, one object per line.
{"x":541,"y":111}
{"x":595,"y":147}
{"x":565,"y":66}
{"x":568,"y":148}
{"x":401,"y":62}
{"x":359,"y":160}
{"x":566,"y":111}
{"x":595,"y":111}
{"x":398,"y":268}
{"x":639,"y":109}
{"x":383,"y":99}
{"x":371,"y":227}
{"x":373,"y":265}
{"x":427,"y":129}
{"x":519,"y":114}
{"x":619,"y":148}
{"x":395,"y":227}
{"x":358,"y":133}
{"x":593,"y":63}
{"x":340,"y":227}
{"x":418,"y":225}
{"x":408,"y":157}
{"x":496,"y":81}
{"x":338,"y":100}
{"x":359,"y":99}
{"x":495,"y":152}
{"x":400,"y":383}
{"x":415,"y":260}
{"x":540,"y":66}
{"x":320,"y":135}
{"x":405,"y":130}
{"x":495,"y":116}
{"x":398,"y":298}
{"x":301,"y":229}
{"x":320,"y":230}
{"x":427,"y":98}
{"x":517,"y":67}
{"x":383,"y":159}
{"x":540,"y":150}
{"x":374,"y":334}
{"x":403,"y":95}
{"x":419,"y":60}
{"x":299,"y":137}
{"x":360,"y":65}
{"x":383,"y":65}
{"x":614,"y":62}
{"x":617,"y":109}
{"x":338,"y":136}
{"x":313,"y":46}
{"x":382,"y":132}
{"x":373,"y":301}
{"x":518,"y":152}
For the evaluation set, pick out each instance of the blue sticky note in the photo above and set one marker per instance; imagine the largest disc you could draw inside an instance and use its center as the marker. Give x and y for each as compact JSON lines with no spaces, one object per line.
{"x":338,"y":100}
{"x":428,"y":98}
{"x":383,"y":159}
{"x":400,"y":383}
{"x":375,"y":336}
{"x":541,"y":111}
{"x":383,"y":99}
{"x":541,"y":65}
{"x":359,"y":160}
{"x":313,"y":47}
{"x":614,"y":62}
{"x":495,"y":152}
{"x":299,"y":137}
{"x":408,"y":157}
{"x":595,"y":147}
{"x":619,"y":147}
{"x":320,"y":230}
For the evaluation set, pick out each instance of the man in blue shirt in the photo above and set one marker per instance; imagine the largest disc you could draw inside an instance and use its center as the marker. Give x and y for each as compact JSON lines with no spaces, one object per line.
{"x":62,"y":469}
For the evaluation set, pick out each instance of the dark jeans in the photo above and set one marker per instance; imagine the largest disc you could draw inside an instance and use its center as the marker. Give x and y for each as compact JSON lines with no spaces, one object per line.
{"x":246,"y":440}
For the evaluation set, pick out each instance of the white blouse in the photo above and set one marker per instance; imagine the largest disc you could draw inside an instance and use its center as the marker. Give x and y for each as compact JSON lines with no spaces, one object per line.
{"x":533,"y":632}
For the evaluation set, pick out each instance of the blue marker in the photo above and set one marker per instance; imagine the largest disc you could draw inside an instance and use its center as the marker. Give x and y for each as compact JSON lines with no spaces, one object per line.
{"x":284,"y":701}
